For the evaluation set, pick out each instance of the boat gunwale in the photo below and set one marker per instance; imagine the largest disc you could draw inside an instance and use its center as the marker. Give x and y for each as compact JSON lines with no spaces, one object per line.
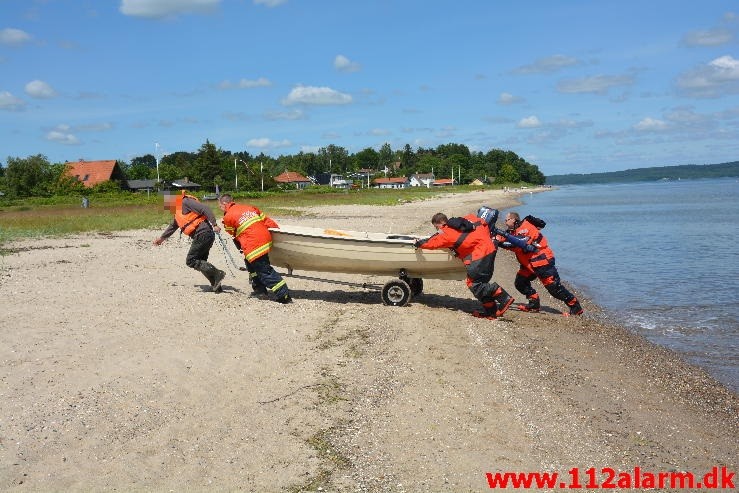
{"x":392,"y":241}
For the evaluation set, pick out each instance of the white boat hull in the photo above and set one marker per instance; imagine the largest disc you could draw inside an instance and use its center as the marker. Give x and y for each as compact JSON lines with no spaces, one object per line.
{"x":354,"y":252}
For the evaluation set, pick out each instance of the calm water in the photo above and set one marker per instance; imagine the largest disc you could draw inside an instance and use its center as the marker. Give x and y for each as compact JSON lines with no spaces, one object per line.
{"x":662,"y":258}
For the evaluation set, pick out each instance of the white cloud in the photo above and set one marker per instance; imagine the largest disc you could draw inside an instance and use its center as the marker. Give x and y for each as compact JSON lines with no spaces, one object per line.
{"x":285,"y":115}
{"x":14,"y":37}
{"x":529,"y":122}
{"x":8,"y":102}
{"x":40,"y":90}
{"x":269,"y":3}
{"x":547,"y":65}
{"x":711,"y":37}
{"x":316,"y":96}
{"x":159,"y":9}
{"x":245,"y":83}
{"x":597,"y":84}
{"x":507,"y":98}
{"x":62,"y":135}
{"x":651,"y":125}
{"x":267,"y":143}
{"x":94,"y":127}
{"x":343,"y":64}
{"x":717,"y":78}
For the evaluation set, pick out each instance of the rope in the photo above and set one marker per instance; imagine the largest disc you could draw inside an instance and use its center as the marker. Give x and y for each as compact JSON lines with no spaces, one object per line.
{"x":227,"y":254}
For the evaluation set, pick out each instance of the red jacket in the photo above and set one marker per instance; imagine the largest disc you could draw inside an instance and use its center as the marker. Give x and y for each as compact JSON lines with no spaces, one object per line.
{"x":539,"y":258}
{"x":470,"y":247}
{"x":249,"y":226}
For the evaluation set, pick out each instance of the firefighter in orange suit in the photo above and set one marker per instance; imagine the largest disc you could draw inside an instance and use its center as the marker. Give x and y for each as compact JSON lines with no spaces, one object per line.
{"x":536,"y":262}
{"x":198,"y":222}
{"x":248,"y":225}
{"x":469,"y":238}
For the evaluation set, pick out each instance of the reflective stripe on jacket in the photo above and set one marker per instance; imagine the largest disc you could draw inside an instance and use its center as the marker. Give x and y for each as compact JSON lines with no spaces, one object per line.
{"x":249,"y":226}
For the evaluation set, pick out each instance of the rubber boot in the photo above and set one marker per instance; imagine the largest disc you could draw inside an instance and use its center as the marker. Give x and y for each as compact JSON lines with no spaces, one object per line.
{"x":213,"y":274}
{"x":534,"y":305}
{"x":489,"y":309}
{"x":504,"y":301}
{"x":284,"y":299}
{"x":575,"y":308}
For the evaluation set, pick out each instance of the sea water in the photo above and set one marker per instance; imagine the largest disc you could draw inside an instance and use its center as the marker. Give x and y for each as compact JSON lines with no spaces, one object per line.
{"x":661,"y":257}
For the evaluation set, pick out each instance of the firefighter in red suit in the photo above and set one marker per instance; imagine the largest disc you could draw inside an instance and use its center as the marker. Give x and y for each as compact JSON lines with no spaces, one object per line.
{"x":535,"y":263}
{"x":249,"y":227}
{"x":469,"y":238}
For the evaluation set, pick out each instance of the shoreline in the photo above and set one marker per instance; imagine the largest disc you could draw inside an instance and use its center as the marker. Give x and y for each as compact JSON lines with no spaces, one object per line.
{"x":120,"y":370}
{"x":701,"y":354}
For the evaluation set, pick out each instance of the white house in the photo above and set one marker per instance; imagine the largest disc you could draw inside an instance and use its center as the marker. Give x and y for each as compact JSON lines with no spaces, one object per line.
{"x":422,"y":180}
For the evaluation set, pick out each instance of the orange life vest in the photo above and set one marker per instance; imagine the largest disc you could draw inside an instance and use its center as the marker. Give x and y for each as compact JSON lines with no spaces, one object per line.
{"x":189,"y":222}
{"x":539,"y":258}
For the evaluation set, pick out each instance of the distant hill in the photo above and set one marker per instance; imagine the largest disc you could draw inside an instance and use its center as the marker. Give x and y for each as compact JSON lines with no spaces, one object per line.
{"x":685,"y":172}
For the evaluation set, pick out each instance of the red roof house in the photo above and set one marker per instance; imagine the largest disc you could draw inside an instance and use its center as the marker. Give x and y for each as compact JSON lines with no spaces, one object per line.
{"x":444,"y":182}
{"x":292,"y":178}
{"x":90,"y":173}
{"x":401,"y":182}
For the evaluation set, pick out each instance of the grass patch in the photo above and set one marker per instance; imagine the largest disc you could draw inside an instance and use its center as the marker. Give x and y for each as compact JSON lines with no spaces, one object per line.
{"x":331,"y":457}
{"x":43,"y":221}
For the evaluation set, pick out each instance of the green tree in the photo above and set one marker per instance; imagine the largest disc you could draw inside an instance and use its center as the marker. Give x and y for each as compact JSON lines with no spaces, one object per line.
{"x":507,"y":174}
{"x":428,"y":163}
{"x":335,"y":158}
{"x":367,"y":158}
{"x":28,"y":177}
{"x":142,"y":168}
{"x":208,"y":164}
{"x":386,"y":157}
{"x":408,"y":159}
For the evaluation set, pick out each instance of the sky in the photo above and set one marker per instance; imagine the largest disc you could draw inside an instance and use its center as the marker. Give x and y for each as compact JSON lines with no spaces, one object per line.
{"x":570,"y":86}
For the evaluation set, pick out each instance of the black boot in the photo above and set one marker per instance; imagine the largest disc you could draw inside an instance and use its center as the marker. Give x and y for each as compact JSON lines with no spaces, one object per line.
{"x":213,"y":274}
{"x":575,"y":308}
{"x":504,"y":301}
{"x":534,"y":305}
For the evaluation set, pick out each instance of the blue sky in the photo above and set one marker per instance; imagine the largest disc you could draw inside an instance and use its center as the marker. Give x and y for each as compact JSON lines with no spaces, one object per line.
{"x":571,"y":86}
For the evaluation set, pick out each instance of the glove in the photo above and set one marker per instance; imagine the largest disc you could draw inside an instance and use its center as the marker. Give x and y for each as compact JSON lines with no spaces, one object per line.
{"x":530,"y":249}
{"x":418,"y":243}
{"x":238,"y":245}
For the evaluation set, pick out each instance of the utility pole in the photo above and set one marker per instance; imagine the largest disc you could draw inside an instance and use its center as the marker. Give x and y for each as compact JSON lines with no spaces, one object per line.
{"x":156,"y":157}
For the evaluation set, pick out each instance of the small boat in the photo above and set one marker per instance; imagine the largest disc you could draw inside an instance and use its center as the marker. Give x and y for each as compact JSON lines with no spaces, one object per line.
{"x":355,"y":252}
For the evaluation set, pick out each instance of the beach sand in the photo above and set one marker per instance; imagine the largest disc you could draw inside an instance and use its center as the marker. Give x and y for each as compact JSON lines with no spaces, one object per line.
{"x":119,"y":370}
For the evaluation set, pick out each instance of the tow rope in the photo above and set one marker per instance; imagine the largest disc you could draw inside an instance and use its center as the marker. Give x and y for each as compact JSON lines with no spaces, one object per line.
{"x":227,"y":254}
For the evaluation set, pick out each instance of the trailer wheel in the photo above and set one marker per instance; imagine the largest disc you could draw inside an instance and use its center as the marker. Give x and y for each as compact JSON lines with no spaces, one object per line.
{"x":396,"y":293}
{"x":416,"y":284}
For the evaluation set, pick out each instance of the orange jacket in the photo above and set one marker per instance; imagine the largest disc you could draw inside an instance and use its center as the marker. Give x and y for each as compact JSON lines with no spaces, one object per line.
{"x":471,"y":246}
{"x":189,"y":222}
{"x":539,"y":258}
{"x":249,"y":226}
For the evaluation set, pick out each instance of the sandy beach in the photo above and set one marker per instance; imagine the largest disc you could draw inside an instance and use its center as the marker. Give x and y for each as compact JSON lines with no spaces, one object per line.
{"x":120,"y":370}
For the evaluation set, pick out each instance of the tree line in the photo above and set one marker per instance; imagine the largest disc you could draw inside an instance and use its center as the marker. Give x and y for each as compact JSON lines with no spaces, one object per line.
{"x":683,"y":172}
{"x":211,"y":166}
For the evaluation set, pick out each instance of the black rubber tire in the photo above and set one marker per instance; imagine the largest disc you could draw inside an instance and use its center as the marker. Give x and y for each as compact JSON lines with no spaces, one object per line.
{"x":416,"y":284}
{"x":396,"y":293}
